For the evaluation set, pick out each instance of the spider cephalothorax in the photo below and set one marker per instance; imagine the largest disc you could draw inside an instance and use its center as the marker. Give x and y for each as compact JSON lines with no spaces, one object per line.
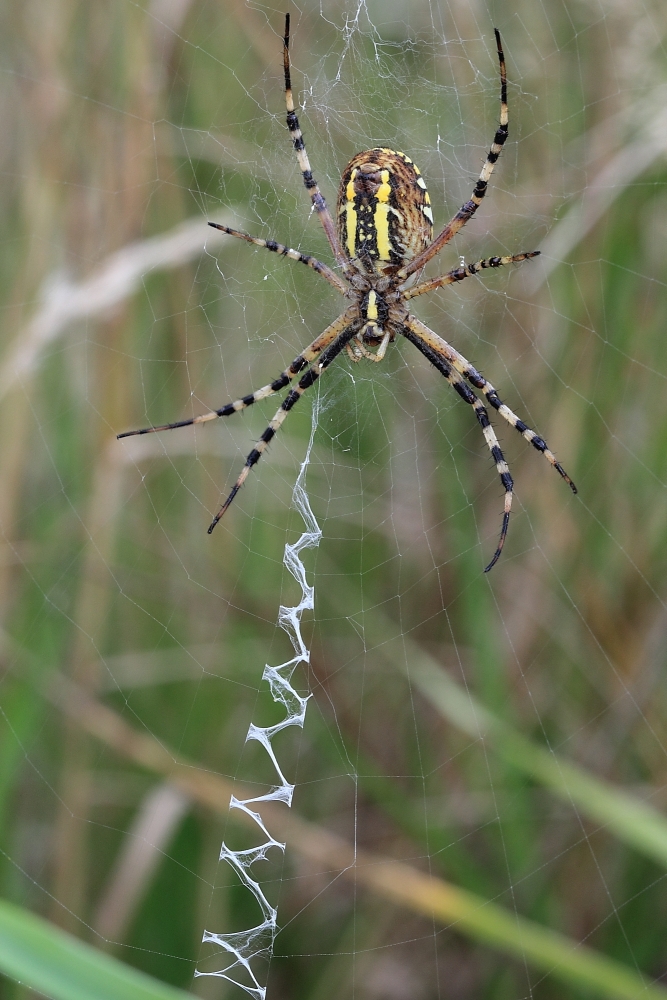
{"x":383,"y":237}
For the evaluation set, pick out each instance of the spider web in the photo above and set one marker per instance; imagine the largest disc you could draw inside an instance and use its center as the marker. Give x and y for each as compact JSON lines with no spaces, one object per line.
{"x":481,"y":764}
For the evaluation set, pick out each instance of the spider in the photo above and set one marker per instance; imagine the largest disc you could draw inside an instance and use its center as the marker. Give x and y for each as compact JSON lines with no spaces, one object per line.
{"x":383,"y":236}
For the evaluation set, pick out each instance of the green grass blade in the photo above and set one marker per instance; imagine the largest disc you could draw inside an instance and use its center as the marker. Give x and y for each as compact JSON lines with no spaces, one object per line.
{"x":624,"y":815}
{"x":39,"y":955}
{"x":485,"y":921}
{"x":468,"y":913}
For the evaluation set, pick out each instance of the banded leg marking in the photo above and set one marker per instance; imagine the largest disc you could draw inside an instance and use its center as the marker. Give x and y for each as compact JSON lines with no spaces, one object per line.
{"x":421,"y":336}
{"x":292,"y":397}
{"x":502,"y":468}
{"x":284,"y":251}
{"x":284,"y":379}
{"x":470,"y":207}
{"x":493,"y":445}
{"x":316,"y":196}
{"x":525,"y":431}
{"x":467,"y":271}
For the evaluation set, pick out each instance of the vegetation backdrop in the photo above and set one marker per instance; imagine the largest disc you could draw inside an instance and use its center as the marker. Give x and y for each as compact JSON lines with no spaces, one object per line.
{"x":493,"y":748}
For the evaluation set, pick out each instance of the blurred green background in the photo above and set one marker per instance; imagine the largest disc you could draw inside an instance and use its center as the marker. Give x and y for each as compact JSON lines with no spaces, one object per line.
{"x":125,"y":127}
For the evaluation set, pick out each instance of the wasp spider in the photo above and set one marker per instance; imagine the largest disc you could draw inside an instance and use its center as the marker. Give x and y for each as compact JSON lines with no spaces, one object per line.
{"x":383,"y":235}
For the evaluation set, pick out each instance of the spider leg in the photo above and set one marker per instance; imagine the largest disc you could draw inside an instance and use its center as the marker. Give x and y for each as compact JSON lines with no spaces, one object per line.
{"x":316,"y":196}
{"x":292,"y":397}
{"x":285,"y":377}
{"x":470,"y":207}
{"x":284,"y":251}
{"x":424,"y":339}
{"x":459,"y":273}
{"x":466,"y":393}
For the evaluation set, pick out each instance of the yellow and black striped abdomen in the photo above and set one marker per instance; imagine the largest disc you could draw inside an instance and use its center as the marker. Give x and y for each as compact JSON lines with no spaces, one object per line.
{"x":384,"y":210}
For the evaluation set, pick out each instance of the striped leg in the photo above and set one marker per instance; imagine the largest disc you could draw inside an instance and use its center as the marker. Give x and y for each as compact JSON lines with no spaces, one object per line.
{"x":316,"y":196}
{"x":468,"y":210}
{"x":284,"y":251}
{"x":292,"y":397}
{"x":285,"y":377}
{"x":466,"y":393}
{"x":420,"y":335}
{"x":459,"y":273}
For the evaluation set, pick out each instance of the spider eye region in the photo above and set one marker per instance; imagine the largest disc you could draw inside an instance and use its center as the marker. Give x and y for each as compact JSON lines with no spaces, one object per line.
{"x":383,"y":210}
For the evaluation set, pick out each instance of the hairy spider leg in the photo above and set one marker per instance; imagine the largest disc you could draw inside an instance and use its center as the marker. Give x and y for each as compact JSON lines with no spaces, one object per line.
{"x":466,"y":393}
{"x":292,"y":397}
{"x":470,"y":207}
{"x":467,"y":271}
{"x":316,"y":196}
{"x":284,"y":251}
{"x":285,"y":377}
{"x":421,"y":336}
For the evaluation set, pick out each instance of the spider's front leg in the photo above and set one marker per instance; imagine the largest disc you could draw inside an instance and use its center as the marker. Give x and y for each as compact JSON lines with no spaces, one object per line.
{"x":468,"y":396}
{"x":467,"y":210}
{"x":300,"y":362}
{"x":456,"y":368}
{"x":292,"y":397}
{"x":422,"y":337}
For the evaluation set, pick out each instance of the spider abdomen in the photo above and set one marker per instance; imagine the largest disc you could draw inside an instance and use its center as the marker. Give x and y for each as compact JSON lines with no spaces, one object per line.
{"x":383,"y":210}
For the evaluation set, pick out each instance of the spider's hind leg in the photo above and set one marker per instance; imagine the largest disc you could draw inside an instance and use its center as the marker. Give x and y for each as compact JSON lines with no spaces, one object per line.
{"x":311,"y":185}
{"x":467,"y":210}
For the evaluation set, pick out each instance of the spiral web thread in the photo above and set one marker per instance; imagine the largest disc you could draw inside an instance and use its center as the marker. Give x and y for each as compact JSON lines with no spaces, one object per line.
{"x":241,"y":949}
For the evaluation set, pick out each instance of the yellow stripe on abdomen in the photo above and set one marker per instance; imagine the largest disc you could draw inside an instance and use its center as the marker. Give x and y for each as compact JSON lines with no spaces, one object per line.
{"x":381,"y":217}
{"x":351,"y":218}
